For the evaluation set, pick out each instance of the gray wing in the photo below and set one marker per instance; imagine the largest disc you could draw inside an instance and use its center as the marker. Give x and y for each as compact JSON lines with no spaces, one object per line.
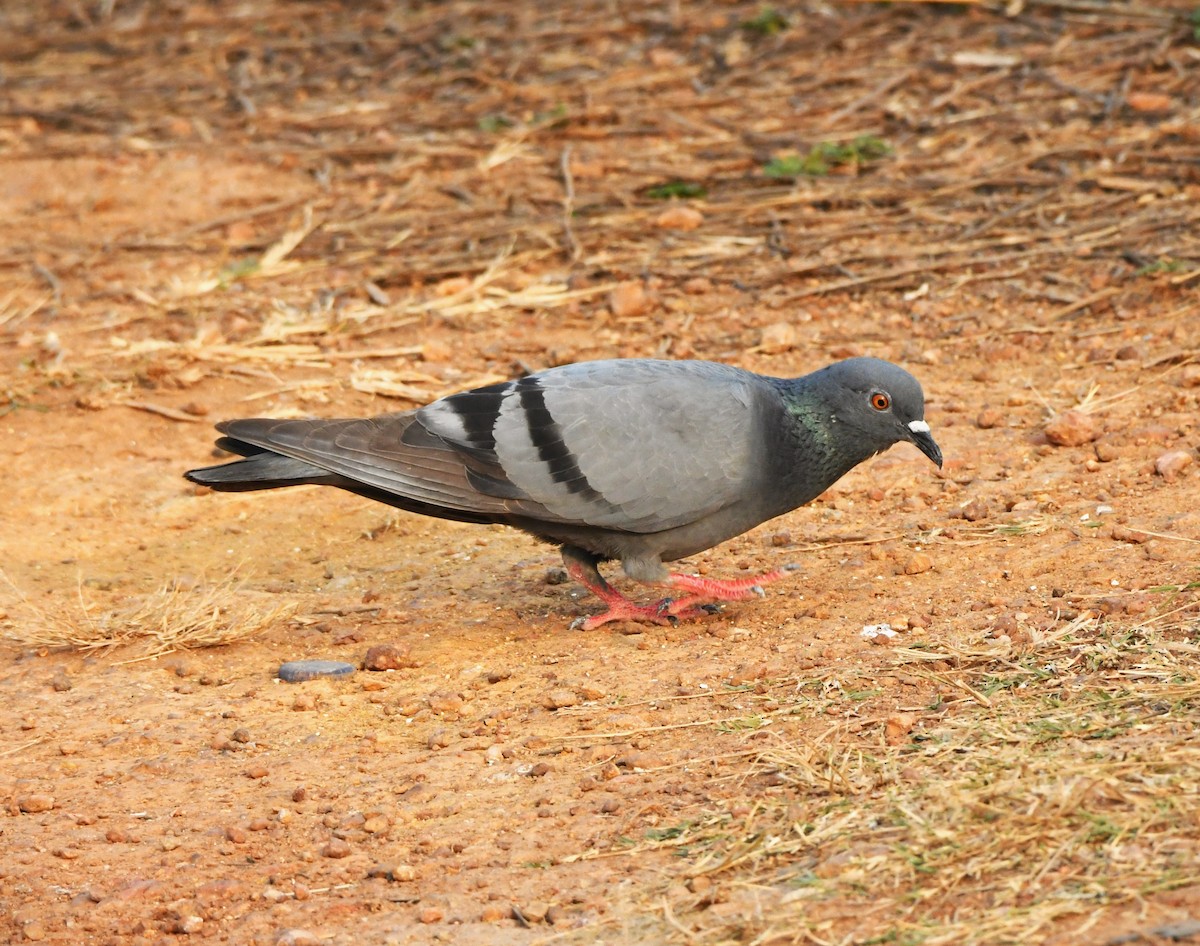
{"x":638,"y":445}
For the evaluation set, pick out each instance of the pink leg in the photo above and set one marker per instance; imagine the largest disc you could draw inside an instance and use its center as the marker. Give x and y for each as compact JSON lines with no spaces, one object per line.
{"x":620,"y":608}
{"x":713,"y":589}
{"x":698,"y":592}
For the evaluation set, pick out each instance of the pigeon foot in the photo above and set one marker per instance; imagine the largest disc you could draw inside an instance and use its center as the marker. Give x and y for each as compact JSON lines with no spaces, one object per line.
{"x":620,"y":608}
{"x":713,"y":589}
{"x":625,"y":610}
{"x":696,"y":601}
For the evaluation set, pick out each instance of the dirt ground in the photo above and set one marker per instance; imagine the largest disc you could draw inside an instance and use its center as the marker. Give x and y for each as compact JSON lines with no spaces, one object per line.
{"x":219,"y":209}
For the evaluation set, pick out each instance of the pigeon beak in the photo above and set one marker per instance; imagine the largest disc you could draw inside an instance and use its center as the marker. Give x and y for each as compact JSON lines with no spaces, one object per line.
{"x":919,"y":435}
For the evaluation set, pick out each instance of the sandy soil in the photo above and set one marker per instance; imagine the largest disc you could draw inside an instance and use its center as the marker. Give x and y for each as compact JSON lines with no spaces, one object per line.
{"x":1018,"y":764}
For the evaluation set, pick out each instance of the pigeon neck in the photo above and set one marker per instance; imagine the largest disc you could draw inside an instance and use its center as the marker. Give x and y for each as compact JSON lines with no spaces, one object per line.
{"x":828,"y":445}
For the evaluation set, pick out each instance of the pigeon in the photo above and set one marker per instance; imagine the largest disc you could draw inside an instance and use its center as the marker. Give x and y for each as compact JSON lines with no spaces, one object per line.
{"x":642,"y":461}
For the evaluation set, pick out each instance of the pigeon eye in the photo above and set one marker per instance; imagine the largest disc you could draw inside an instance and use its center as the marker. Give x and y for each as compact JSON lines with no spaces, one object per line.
{"x":880,"y":401}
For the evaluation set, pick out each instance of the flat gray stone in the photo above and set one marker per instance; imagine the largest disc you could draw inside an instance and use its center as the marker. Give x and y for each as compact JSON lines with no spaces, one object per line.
{"x":297,"y":671}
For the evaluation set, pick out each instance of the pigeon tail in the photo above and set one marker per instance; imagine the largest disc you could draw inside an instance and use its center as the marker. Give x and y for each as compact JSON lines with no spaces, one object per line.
{"x":261,"y":471}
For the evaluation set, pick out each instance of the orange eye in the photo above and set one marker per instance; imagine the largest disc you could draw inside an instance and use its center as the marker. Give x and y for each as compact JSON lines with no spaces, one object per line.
{"x":880,"y":401}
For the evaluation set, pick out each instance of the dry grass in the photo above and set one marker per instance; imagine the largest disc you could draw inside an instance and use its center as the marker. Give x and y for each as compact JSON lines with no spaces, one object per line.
{"x":173,"y":618}
{"x":1038,"y":785}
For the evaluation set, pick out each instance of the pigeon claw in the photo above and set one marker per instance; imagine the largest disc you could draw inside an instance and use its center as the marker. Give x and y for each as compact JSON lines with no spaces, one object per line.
{"x":625,"y":610}
{"x":736,"y":589}
{"x":696,"y":597}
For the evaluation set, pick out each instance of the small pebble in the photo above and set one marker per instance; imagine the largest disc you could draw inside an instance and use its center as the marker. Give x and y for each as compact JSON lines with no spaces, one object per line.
{"x":628,"y":299}
{"x":1122,"y":534}
{"x":778,"y":337}
{"x":336,"y":848}
{"x":988,"y":418}
{"x":1071,"y":429}
{"x":679,"y":217}
{"x":304,"y":702}
{"x":297,"y":937}
{"x":35,"y":803}
{"x":445,"y":701}
{"x":376,"y":824}
{"x":192,"y":923}
{"x":557,"y":699}
{"x":430,"y":915}
{"x":897,"y":727}
{"x":1172,"y":463}
{"x":297,"y":671}
{"x":530,"y":913}
{"x":917,"y":563}
{"x":257,"y":771}
{"x":1149,"y":101}
{"x":388,"y":657}
{"x":975,"y":510}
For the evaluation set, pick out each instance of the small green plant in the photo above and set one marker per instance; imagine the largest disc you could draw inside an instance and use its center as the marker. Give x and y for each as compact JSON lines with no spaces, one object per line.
{"x":552,"y":118}
{"x":667,"y":834}
{"x":674,"y":189}
{"x":1194,"y":19}
{"x":1102,"y":829}
{"x":235,"y":271}
{"x":896,"y":938}
{"x":738,"y":725}
{"x":494,"y":123}
{"x":15,"y":404}
{"x":1164,"y":265}
{"x":826,"y":155}
{"x":1165,"y":589}
{"x":769,"y":22}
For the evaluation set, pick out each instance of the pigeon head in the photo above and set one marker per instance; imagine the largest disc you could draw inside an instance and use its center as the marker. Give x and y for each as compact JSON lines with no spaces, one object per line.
{"x":881,"y":402}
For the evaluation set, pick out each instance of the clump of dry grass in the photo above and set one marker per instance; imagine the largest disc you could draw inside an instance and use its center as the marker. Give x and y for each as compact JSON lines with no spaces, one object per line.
{"x":1022,"y":791}
{"x":174,"y":617}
